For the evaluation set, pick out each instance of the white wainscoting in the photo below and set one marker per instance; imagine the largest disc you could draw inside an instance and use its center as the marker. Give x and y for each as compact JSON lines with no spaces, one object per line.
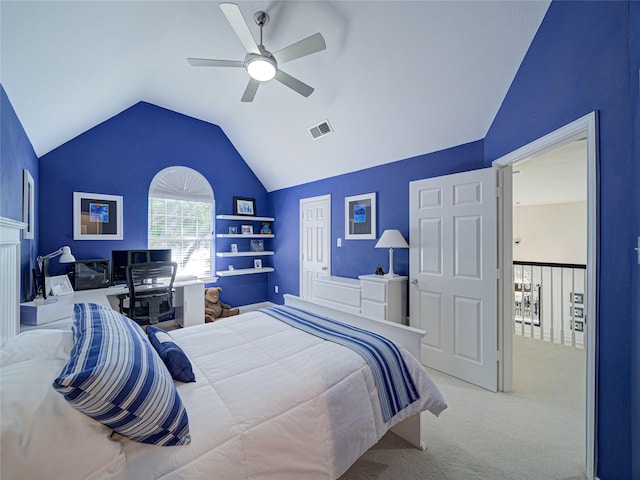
{"x":9,"y":278}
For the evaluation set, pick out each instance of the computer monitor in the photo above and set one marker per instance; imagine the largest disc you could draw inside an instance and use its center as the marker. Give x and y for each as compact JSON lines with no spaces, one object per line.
{"x":121,"y":259}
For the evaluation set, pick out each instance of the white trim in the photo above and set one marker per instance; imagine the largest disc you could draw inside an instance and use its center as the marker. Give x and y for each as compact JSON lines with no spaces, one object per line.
{"x":585,"y":125}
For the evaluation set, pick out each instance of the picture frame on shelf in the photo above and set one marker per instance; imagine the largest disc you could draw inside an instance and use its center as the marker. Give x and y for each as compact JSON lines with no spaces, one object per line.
{"x":257,"y":263}
{"x":257,"y":245}
{"x":97,"y":216}
{"x":360,"y":217}
{"x":234,"y":248}
{"x":28,"y":205}
{"x":58,"y":286}
{"x":244,"y":206}
{"x":233,"y":230}
{"x":231,"y":268}
{"x":247,"y":229}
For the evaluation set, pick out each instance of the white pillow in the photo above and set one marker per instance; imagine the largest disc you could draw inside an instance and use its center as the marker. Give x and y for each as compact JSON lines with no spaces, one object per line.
{"x":37,"y":343}
{"x":42,"y":436}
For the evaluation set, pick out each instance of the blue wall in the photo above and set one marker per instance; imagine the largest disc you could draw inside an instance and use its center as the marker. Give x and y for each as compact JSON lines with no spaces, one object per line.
{"x":16,"y":154}
{"x":579,"y":62}
{"x":121,"y":157}
{"x":634,"y":80}
{"x":390,"y":182}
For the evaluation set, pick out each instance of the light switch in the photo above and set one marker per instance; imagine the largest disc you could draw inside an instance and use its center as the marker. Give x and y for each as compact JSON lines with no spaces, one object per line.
{"x":339,"y":242}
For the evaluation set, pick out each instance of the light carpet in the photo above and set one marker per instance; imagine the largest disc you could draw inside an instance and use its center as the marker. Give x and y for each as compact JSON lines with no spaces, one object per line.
{"x":535,"y":432}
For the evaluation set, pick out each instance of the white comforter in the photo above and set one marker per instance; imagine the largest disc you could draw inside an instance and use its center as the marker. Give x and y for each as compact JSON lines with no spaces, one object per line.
{"x":272,"y":402}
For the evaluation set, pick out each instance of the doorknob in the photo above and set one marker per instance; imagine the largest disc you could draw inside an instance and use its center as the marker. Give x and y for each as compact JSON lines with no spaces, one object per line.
{"x":324,"y":268}
{"x":414,"y":281}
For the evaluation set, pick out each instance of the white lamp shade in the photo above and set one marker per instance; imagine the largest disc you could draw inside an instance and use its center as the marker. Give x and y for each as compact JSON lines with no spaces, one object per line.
{"x":392,"y":239}
{"x":66,"y":256}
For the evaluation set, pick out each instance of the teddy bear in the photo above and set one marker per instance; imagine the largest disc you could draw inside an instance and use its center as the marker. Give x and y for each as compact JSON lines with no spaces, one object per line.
{"x":214,"y":308}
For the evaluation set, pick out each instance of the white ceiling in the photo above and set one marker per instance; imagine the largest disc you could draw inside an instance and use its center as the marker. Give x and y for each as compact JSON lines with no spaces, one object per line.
{"x":558,"y":175}
{"x":398,"y":78}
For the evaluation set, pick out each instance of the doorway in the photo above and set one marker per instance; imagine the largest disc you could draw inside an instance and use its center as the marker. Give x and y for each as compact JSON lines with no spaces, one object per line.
{"x":585,"y":130}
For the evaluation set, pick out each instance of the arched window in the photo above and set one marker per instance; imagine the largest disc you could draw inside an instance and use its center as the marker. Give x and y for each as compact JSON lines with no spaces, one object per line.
{"x":181,"y":213}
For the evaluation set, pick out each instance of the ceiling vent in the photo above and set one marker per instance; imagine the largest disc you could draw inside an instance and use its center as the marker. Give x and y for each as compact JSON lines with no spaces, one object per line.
{"x":320,"y":130}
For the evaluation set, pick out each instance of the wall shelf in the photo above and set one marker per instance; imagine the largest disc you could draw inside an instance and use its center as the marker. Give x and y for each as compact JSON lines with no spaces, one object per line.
{"x":243,"y":271}
{"x":244,"y":254}
{"x":245,"y":217}
{"x":246,"y":235}
{"x":244,"y":246}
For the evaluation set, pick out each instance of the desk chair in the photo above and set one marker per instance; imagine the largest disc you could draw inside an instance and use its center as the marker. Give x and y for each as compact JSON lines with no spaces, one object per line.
{"x":150,"y":291}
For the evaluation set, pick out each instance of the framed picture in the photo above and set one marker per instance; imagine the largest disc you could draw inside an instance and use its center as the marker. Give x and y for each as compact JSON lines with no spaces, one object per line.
{"x":59,"y":285}
{"x":244,"y":206}
{"x":234,"y":248}
{"x":247,"y":230}
{"x":28,"y":204}
{"x":578,"y":312}
{"x":257,"y":263}
{"x":360,"y":217}
{"x":257,"y":245}
{"x":576,"y":298}
{"x":97,"y":216}
{"x":233,"y":230}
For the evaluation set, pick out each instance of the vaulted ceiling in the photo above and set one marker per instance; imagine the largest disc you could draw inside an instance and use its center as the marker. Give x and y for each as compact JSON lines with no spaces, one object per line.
{"x":397,"y":79}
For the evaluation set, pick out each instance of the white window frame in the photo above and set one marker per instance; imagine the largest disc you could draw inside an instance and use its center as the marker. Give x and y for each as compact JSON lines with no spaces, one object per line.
{"x":185,"y":185}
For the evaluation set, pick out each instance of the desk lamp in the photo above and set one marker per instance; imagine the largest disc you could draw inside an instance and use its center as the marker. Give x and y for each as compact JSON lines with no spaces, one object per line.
{"x":391,"y":239}
{"x":65,"y":257}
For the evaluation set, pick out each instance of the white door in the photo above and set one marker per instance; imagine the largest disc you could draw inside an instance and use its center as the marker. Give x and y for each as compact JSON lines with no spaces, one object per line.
{"x":315,"y":241}
{"x":453,"y":271}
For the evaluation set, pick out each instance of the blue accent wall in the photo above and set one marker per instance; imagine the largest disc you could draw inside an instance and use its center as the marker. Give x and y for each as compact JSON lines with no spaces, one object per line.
{"x":120,"y":157}
{"x":579,"y":62}
{"x":634,"y":80}
{"x":16,"y":155}
{"x":390,"y":182}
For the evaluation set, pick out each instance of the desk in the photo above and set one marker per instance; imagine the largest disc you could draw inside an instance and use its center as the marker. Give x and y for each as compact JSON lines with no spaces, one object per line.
{"x":188,"y":304}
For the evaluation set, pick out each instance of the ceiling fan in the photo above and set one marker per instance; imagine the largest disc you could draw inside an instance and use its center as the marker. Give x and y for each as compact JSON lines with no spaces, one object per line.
{"x":260,"y":63}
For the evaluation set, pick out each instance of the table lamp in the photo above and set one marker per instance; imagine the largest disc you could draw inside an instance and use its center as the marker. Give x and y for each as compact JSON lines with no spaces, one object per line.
{"x":391,"y":239}
{"x":65,"y":257}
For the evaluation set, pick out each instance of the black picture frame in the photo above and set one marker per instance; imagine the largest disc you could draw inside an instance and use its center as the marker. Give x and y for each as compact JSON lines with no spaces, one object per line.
{"x":244,"y":206}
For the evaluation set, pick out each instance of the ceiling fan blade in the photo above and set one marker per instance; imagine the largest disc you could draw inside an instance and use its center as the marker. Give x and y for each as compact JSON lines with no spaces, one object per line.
{"x":234,"y":16}
{"x":250,"y":91}
{"x":293,"y":83}
{"x":207,"y":62}
{"x":307,"y":46}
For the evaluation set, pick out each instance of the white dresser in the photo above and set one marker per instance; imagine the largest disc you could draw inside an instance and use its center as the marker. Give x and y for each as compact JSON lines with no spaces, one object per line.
{"x":384,"y":297}
{"x":374,"y":296}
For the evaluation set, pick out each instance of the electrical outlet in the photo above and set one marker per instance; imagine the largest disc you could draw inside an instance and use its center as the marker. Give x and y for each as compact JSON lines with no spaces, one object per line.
{"x":276,"y":288}
{"x":339,"y":242}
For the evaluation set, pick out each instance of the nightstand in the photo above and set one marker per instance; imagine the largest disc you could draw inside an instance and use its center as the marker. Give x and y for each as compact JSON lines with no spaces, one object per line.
{"x":384,"y":297}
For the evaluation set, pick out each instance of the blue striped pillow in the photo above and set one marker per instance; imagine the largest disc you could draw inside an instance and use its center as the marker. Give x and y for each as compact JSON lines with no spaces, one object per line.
{"x":171,"y":354}
{"x":115,"y":376}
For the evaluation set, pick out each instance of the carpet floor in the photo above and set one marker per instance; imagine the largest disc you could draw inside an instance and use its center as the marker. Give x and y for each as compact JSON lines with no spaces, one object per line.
{"x":535,"y":432}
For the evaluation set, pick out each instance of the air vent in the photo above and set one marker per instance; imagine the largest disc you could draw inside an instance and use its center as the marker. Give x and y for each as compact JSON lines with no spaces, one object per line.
{"x":320,"y":130}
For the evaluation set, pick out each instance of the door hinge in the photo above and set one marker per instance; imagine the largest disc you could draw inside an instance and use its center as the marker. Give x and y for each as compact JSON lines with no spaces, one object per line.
{"x":499,"y":274}
{"x":498,"y":192}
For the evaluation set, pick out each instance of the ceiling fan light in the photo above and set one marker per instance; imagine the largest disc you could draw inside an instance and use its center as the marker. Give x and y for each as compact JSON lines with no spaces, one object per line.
{"x":261,"y":68}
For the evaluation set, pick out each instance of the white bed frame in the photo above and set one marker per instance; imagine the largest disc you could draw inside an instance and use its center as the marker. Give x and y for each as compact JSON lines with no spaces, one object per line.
{"x":409,"y":337}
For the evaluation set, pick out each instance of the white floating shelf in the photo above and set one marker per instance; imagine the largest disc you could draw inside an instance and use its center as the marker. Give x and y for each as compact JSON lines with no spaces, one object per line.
{"x":245,"y":217}
{"x":244,"y":254}
{"x":243,"y":271}
{"x":246,"y":235}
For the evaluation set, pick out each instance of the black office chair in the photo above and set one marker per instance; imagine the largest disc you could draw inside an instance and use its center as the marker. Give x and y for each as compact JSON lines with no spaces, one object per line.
{"x":150,"y":291}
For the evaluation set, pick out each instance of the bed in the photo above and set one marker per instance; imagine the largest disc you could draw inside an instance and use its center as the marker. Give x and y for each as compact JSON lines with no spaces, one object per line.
{"x":269,"y":401}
